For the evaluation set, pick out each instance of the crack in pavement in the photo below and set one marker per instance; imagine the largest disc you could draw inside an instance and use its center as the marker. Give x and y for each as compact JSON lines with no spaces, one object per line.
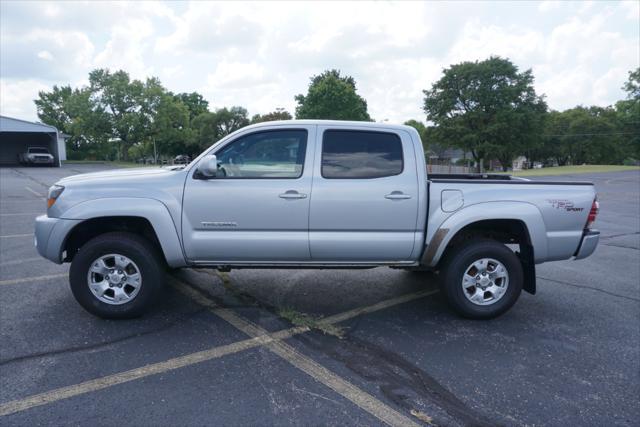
{"x":30,"y":178}
{"x":590,"y":287}
{"x":620,"y":246}
{"x":619,"y":235}
{"x":318,"y":372}
{"x":388,"y":365}
{"x":81,"y":348}
{"x":397,"y":378}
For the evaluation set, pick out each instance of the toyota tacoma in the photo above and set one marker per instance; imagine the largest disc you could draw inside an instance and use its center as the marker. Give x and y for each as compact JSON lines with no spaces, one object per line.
{"x":312,"y":194}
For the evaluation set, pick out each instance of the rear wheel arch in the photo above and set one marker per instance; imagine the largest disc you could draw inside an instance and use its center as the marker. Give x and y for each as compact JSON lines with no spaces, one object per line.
{"x":505,"y":231}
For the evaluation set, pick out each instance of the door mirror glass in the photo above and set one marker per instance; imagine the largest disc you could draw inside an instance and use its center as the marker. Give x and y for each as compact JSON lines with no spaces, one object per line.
{"x":208,"y":166}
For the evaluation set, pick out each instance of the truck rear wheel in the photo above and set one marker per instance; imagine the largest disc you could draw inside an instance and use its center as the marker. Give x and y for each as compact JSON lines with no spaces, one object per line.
{"x":481,"y":279}
{"x":116,"y":275}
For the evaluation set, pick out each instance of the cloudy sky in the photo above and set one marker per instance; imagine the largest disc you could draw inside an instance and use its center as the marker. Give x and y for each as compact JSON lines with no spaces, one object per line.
{"x":259,"y":55}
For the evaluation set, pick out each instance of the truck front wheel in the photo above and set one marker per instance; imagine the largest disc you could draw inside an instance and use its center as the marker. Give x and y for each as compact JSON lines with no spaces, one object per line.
{"x":116,"y":275}
{"x":481,"y":279}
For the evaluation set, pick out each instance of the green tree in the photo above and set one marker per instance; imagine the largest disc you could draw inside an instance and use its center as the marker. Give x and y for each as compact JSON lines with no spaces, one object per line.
{"x":278,"y":114}
{"x":195,"y":103}
{"x":170,"y":133}
{"x":53,"y":107}
{"x":130,"y":105}
{"x":583,"y":135}
{"x":332,"y":96}
{"x":422,"y":131}
{"x":72,"y":112}
{"x":487,"y":108}
{"x":554,"y":146}
{"x":632,"y":85}
{"x":628,"y":112}
{"x":211,"y":127}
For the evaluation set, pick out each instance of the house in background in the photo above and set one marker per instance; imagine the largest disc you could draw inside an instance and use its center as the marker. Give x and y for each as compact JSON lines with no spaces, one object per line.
{"x":519,"y":163}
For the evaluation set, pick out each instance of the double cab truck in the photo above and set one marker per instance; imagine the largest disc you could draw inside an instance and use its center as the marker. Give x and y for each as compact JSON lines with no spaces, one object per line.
{"x":312,"y":194}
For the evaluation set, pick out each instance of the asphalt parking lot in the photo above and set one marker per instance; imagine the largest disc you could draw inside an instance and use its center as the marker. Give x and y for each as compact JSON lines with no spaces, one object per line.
{"x":387,"y":350}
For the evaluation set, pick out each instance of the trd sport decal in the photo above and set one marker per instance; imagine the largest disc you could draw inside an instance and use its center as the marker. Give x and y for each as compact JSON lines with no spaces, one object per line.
{"x":566,"y":205}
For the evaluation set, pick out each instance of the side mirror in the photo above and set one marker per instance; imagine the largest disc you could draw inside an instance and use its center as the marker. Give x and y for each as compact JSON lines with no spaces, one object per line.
{"x":208,"y":166}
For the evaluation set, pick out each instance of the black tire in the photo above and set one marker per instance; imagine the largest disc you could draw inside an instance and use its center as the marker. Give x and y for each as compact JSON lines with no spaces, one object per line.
{"x":455,"y":265}
{"x":137,"y":249}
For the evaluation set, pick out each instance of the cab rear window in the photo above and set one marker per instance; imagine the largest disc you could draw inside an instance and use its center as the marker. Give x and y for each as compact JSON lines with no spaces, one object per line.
{"x":360,"y":154}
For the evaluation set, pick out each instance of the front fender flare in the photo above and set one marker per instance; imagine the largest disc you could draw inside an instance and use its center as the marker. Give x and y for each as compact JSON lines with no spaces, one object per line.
{"x":152,"y":210}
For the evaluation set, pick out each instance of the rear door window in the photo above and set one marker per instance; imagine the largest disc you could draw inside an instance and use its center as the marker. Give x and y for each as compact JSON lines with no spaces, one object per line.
{"x":360,"y":154}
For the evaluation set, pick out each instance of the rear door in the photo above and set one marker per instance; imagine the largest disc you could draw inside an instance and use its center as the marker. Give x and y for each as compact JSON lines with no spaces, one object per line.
{"x":365,"y":196}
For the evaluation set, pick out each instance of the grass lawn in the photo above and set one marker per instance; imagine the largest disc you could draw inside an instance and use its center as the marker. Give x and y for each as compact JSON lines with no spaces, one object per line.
{"x":570,"y":170}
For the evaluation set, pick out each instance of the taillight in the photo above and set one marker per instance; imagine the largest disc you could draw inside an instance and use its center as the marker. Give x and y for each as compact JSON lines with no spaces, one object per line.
{"x":593,"y":213}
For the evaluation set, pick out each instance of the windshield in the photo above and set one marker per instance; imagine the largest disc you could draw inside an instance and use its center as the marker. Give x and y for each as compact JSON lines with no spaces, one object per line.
{"x":38,"y":150}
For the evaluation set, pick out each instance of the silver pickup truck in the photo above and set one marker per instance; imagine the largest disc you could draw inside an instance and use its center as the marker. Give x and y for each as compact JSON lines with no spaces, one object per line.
{"x":312,"y":194}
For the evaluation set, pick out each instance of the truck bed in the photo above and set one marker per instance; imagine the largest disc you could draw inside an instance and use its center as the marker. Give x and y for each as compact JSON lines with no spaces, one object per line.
{"x":495,"y":179}
{"x":554,"y":212}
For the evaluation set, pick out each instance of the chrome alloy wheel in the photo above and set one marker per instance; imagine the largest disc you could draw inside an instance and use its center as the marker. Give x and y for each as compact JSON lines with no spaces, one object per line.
{"x":114,"y":279}
{"x":485,"y":281}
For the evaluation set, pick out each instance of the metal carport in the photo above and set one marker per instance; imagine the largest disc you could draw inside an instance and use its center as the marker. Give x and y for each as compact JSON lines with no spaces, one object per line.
{"x":16,"y":135}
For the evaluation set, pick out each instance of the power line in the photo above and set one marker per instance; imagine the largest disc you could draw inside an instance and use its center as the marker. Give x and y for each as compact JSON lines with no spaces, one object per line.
{"x":596,"y":134}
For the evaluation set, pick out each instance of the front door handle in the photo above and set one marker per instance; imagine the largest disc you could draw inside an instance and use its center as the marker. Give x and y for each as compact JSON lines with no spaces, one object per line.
{"x":292,"y":194}
{"x":397,"y":195}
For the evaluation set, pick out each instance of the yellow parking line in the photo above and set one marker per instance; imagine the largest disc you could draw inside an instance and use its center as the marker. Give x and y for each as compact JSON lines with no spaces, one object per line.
{"x":20,"y":261}
{"x":16,"y":235}
{"x":131,"y":375}
{"x":259,"y":337}
{"x":32,"y":279}
{"x":359,"y":397}
{"x":341,"y":317}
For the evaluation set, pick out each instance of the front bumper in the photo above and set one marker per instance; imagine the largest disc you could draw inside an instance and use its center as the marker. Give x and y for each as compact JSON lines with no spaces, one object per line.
{"x":41,"y":160}
{"x":50,"y":236}
{"x":588,"y":244}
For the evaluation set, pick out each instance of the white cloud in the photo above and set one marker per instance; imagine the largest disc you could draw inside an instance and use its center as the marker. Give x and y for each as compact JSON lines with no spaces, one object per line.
{"x":260,"y":54}
{"x":549,"y":5}
{"x":37,"y":53}
{"x":16,"y":98}
{"x":632,"y":9}
{"x":46,"y":55}
{"x":479,"y":42}
{"x":126,"y":48}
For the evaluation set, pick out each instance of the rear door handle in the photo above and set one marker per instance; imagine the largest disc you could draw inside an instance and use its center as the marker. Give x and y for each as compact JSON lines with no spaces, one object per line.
{"x":292,"y":194}
{"x":397,"y":195}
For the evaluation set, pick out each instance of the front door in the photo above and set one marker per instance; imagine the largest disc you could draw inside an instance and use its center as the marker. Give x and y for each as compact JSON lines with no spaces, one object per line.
{"x":257,"y":208}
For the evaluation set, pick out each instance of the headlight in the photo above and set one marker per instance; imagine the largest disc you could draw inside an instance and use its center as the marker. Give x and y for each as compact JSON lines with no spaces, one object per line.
{"x":54,"y":192}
